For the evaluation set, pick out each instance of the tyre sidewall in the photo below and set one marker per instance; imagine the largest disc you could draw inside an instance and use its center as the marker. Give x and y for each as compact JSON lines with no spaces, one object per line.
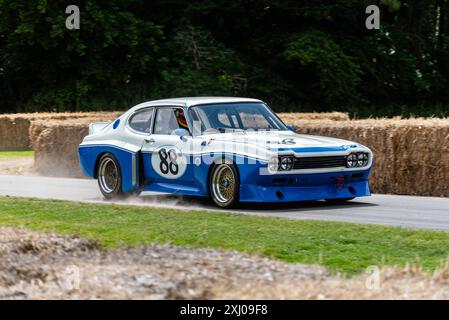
{"x":117,"y":192}
{"x":236,"y":194}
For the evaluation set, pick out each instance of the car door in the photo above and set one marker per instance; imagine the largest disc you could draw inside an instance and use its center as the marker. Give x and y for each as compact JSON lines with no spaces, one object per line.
{"x":166,"y":164}
{"x":137,"y":129}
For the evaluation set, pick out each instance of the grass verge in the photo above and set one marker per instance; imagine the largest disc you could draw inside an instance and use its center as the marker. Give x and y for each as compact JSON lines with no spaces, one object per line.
{"x":16,"y":154}
{"x":343,"y":247}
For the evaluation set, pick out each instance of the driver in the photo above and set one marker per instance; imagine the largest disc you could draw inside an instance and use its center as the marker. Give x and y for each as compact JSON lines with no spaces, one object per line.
{"x":182,"y":122}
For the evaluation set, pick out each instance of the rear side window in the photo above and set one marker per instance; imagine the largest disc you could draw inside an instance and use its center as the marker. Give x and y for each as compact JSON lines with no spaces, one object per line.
{"x":141,"y":121}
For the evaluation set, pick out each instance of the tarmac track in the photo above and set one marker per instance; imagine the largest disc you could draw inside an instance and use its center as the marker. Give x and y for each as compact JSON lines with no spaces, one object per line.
{"x":391,"y":210}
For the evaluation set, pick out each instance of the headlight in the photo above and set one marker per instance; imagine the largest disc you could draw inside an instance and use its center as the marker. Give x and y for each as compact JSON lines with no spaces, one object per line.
{"x":362,"y":160}
{"x":355,"y":160}
{"x":273,"y":165}
{"x":351,"y":160}
{"x":286,"y":164}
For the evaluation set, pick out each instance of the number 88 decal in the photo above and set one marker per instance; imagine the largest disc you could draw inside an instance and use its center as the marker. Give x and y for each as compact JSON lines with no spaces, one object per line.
{"x":169,"y":162}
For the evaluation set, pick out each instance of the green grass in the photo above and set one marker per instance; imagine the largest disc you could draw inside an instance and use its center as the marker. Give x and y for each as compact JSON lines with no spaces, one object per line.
{"x":343,"y":247}
{"x":16,"y":154}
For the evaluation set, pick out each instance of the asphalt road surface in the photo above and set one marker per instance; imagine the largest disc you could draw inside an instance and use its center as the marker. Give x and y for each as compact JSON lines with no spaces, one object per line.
{"x":405,"y":211}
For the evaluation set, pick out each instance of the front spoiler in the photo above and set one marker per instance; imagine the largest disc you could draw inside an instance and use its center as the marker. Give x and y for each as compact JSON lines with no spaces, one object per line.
{"x":257,"y":193}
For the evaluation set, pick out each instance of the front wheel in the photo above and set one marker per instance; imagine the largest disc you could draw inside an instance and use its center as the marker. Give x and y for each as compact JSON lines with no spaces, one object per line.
{"x":224,"y":185}
{"x":109,"y":177}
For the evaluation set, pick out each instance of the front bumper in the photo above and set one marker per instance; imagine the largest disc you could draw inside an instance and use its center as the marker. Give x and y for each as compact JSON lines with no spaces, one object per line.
{"x":306,"y":187}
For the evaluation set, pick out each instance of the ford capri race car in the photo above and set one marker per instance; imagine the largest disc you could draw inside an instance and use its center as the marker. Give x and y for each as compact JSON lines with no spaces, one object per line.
{"x":230,"y":149}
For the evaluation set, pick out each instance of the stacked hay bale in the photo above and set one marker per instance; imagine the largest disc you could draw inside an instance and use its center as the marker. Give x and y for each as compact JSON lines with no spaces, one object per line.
{"x":14,"y":132}
{"x":56,"y":146}
{"x":15,"y":128}
{"x":55,"y":143}
{"x":411,"y":156}
{"x":421,"y":163}
{"x":375,"y":134}
{"x":70,"y":115}
{"x":291,"y":117}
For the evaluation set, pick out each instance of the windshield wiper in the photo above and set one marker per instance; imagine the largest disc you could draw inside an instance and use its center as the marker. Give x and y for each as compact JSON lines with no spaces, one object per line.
{"x":223,"y":129}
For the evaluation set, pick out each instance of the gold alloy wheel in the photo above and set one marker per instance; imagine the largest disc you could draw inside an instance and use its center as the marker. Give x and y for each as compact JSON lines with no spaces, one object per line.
{"x":223,"y":183}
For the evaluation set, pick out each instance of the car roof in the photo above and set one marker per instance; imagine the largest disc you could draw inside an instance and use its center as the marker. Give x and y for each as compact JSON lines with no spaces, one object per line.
{"x":192,"y":101}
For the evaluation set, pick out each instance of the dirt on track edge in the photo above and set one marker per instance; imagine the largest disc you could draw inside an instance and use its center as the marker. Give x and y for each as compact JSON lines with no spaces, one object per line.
{"x":35,"y":265}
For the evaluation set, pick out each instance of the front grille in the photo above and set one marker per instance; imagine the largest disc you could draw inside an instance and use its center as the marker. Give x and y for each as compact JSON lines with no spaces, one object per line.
{"x":319,"y":162}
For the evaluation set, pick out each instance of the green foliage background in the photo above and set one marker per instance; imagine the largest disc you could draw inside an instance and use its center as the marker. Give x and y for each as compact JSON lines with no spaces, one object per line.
{"x":302,"y":55}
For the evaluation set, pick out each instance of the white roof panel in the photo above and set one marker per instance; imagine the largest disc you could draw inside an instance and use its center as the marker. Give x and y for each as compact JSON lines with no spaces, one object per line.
{"x":191,"y":101}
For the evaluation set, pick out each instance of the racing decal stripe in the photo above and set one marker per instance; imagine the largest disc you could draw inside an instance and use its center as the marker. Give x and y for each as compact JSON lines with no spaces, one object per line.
{"x":106,"y":145}
{"x":218,"y":152}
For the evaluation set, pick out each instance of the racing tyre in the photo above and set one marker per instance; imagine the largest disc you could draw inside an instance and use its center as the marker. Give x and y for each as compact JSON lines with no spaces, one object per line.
{"x":341,"y":200}
{"x":224,"y":185}
{"x":109,"y":176}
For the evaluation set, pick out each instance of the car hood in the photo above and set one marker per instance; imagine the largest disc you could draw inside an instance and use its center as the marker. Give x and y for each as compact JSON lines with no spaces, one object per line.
{"x":283,"y":140}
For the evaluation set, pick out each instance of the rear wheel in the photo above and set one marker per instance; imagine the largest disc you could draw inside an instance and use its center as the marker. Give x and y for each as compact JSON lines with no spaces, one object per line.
{"x":224,"y":185}
{"x":109,"y":177}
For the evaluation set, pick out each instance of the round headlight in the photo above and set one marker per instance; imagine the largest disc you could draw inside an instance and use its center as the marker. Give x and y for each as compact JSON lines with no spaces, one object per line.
{"x":362,"y":160}
{"x":351,"y":160}
{"x":286,"y":163}
{"x":273,"y":165}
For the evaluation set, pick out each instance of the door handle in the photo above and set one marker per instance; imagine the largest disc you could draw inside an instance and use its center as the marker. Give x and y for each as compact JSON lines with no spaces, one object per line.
{"x":150,"y":140}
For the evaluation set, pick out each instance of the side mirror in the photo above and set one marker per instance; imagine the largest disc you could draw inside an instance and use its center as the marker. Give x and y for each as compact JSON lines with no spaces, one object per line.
{"x":291,"y":128}
{"x":182,"y":133}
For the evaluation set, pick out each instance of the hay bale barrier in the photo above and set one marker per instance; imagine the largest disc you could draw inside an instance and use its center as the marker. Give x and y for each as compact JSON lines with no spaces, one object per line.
{"x":421,"y":158}
{"x":374,"y":134}
{"x":15,"y":128}
{"x":55,"y":142}
{"x":295,"y":116}
{"x":411,"y":156}
{"x":56,"y":148}
{"x":14,"y":133}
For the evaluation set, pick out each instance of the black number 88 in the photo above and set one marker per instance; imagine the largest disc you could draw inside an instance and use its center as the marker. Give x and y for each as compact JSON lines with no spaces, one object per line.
{"x":168,"y":161}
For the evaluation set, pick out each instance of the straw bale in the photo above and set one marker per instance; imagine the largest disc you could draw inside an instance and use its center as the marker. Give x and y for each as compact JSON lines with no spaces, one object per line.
{"x":56,"y":149}
{"x":421,"y":164}
{"x":293,"y":116}
{"x":14,"y":133}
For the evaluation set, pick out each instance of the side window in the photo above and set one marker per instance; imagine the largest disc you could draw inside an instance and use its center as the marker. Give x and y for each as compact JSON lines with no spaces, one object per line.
{"x":141,"y":121}
{"x":169,"y":119}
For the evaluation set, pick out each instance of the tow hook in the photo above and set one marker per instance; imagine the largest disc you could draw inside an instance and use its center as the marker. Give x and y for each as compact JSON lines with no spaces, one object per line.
{"x":340,"y":181}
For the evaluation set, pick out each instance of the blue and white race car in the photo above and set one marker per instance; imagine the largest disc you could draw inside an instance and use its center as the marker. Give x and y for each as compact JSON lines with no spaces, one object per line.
{"x":230,"y":149}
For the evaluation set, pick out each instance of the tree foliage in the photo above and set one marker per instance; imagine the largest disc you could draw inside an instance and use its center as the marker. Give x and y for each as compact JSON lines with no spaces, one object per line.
{"x":296,"y":55}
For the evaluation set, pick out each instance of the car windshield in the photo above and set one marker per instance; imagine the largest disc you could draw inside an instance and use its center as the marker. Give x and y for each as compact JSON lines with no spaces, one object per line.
{"x":227,"y":117}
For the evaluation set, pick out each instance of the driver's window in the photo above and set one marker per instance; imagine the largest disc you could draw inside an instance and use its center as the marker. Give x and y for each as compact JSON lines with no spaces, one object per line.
{"x":169,"y":119}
